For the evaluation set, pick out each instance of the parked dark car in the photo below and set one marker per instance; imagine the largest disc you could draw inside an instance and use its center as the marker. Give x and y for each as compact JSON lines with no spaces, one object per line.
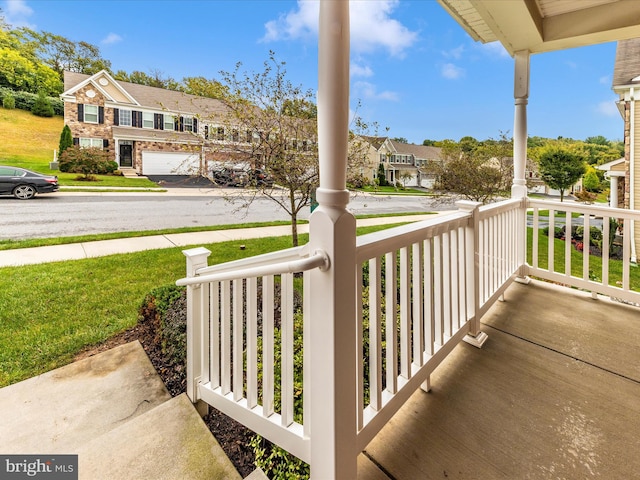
{"x":24,"y":184}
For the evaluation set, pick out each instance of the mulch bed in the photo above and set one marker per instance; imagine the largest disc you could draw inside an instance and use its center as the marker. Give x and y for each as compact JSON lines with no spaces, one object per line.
{"x":233,"y":437}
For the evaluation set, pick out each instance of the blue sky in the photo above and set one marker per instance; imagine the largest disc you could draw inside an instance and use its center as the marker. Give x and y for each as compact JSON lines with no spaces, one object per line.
{"x":413,"y":69}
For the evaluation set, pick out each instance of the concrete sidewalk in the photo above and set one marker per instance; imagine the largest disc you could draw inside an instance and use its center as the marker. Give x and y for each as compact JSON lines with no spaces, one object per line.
{"x":77,"y":251}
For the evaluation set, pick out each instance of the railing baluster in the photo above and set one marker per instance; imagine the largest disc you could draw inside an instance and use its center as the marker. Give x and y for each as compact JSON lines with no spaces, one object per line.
{"x":375,"y":334}
{"x":268,"y":302}
{"x":306,"y":378}
{"x":438,"y":317}
{"x":446,"y":284}
{"x":429,"y":316}
{"x":551,"y":241}
{"x":405,"y":313}
{"x":567,"y":245}
{"x":252,"y":342}
{"x":586,"y":242}
{"x":286,"y":357}
{"x":214,"y":318}
{"x":391,"y":335}
{"x":417,"y":302}
{"x":606,"y":241}
{"x":359,"y":346}
{"x":238,"y":339}
{"x":225,"y":332}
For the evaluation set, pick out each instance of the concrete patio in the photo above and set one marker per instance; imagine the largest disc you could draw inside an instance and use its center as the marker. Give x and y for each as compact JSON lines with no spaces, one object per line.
{"x":552,"y":394}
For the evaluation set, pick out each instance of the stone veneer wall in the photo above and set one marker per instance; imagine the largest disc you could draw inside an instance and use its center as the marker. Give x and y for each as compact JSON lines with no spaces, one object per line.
{"x":90,"y":130}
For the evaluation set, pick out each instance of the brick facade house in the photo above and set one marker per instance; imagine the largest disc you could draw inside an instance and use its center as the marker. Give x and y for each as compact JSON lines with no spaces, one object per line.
{"x":150,"y":130}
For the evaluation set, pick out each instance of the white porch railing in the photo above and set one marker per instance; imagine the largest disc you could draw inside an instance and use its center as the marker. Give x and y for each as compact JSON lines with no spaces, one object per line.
{"x":569,"y":263}
{"x":421,"y":290}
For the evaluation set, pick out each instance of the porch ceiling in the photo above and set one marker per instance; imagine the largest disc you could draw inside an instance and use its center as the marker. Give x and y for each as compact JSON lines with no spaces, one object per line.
{"x":546,"y":25}
{"x":552,"y":394}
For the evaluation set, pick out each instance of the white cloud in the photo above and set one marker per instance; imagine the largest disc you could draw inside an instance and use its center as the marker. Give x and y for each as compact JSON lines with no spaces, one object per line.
{"x":356,"y":70}
{"x":454,"y":52}
{"x":605,"y":80}
{"x":451,"y":71}
{"x":608,"y":108}
{"x":368,"y":91}
{"x":371,"y":26}
{"x":17,"y":12}
{"x":111,"y":38}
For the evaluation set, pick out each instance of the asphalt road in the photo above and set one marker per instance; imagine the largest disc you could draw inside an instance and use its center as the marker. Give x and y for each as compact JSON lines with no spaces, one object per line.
{"x":64,"y":214}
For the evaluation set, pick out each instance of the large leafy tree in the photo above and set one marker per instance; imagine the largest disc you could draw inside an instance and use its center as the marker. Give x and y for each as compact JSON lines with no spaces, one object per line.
{"x":272,"y":126}
{"x":560,"y":167}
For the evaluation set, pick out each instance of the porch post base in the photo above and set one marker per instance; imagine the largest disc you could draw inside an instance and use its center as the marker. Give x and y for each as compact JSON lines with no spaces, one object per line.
{"x":477,"y":341}
{"x":523,"y":280}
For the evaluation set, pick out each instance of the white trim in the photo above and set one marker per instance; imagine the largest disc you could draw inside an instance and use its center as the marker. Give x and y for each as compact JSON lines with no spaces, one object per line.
{"x":93,"y":79}
{"x":632,"y":160}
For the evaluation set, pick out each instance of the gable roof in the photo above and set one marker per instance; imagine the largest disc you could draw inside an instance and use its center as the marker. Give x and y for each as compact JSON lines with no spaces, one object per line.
{"x":150,"y":97}
{"x":627,"y":66}
{"x":418,"y":151}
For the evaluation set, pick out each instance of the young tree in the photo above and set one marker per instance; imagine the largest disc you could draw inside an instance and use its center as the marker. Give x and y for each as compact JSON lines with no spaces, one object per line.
{"x":42,"y":106}
{"x":273,"y":127}
{"x":381,"y":176}
{"x":65,"y":140}
{"x":560,"y":167}
{"x":479,"y":171}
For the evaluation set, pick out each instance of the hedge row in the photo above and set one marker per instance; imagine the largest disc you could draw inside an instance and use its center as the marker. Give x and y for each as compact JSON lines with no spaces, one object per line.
{"x":25,"y":100}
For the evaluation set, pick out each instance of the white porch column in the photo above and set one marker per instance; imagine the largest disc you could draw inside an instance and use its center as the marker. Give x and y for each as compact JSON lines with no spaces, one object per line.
{"x":333,"y":229}
{"x":521,"y":95}
{"x":613,"y":192}
{"x":519,"y":187}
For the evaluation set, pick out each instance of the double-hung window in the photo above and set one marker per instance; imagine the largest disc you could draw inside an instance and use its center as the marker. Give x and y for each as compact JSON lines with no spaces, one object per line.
{"x":90,"y":142}
{"x":169,"y":122}
{"x":91,"y":113}
{"x":187,"y":123}
{"x":125,"y":118}
{"x":147,"y":120}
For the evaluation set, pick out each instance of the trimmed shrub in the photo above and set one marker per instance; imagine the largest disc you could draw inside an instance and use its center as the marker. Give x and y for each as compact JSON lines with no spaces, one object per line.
{"x":87,"y":161}
{"x":9,"y":102}
{"x":42,"y":107}
{"x":66,"y":140}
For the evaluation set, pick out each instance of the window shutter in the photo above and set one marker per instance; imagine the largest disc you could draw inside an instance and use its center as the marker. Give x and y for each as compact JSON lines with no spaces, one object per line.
{"x":157,"y":121}
{"x":100,"y":114}
{"x":81,"y":112}
{"x":181,"y":123}
{"x":105,"y":143}
{"x":76,"y":141}
{"x":176,"y":124}
{"x":116,"y":116}
{"x":206,"y":132}
{"x":195,"y":125}
{"x":136,"y":118}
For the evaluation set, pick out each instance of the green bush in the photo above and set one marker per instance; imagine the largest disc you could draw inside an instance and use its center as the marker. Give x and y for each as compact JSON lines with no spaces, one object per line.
{"x":66,"y":140}
{"x":42,"y":107}
{"x":25,"y":100}
{"x":9,"y":102}
{"x":87,"y":161}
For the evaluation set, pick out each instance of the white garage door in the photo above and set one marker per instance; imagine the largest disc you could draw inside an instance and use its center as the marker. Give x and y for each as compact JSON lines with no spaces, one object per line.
{"x":161,"y":163}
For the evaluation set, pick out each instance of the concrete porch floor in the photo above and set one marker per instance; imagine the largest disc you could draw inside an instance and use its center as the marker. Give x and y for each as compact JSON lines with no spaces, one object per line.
{"x":553,"y":394}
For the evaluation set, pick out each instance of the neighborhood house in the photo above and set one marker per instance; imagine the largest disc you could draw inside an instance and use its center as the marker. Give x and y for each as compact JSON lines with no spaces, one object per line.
{"x":149,"y":130}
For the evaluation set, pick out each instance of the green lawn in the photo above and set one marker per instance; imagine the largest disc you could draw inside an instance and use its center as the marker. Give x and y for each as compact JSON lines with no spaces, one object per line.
{"x":395,"y":191}
{"x":50,"y":312}
{"x":595,"y":262}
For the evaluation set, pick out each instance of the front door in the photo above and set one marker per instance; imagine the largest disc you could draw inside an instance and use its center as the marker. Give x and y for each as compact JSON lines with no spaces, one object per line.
{"x":126,"y":155}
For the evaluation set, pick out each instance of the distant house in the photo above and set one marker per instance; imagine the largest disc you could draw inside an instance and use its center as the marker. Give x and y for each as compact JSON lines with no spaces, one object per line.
{"x":405,"y":163}
{"x":626,"y":83}
{"x":150,"y":130}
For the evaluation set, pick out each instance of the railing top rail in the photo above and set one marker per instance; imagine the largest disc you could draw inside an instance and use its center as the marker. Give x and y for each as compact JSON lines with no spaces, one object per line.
{"x":319,"y":259}
{"x":290,"y":254}
{"x":582,"y":208}
{"x":378,"y":243}
{"x":501,"y":206}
